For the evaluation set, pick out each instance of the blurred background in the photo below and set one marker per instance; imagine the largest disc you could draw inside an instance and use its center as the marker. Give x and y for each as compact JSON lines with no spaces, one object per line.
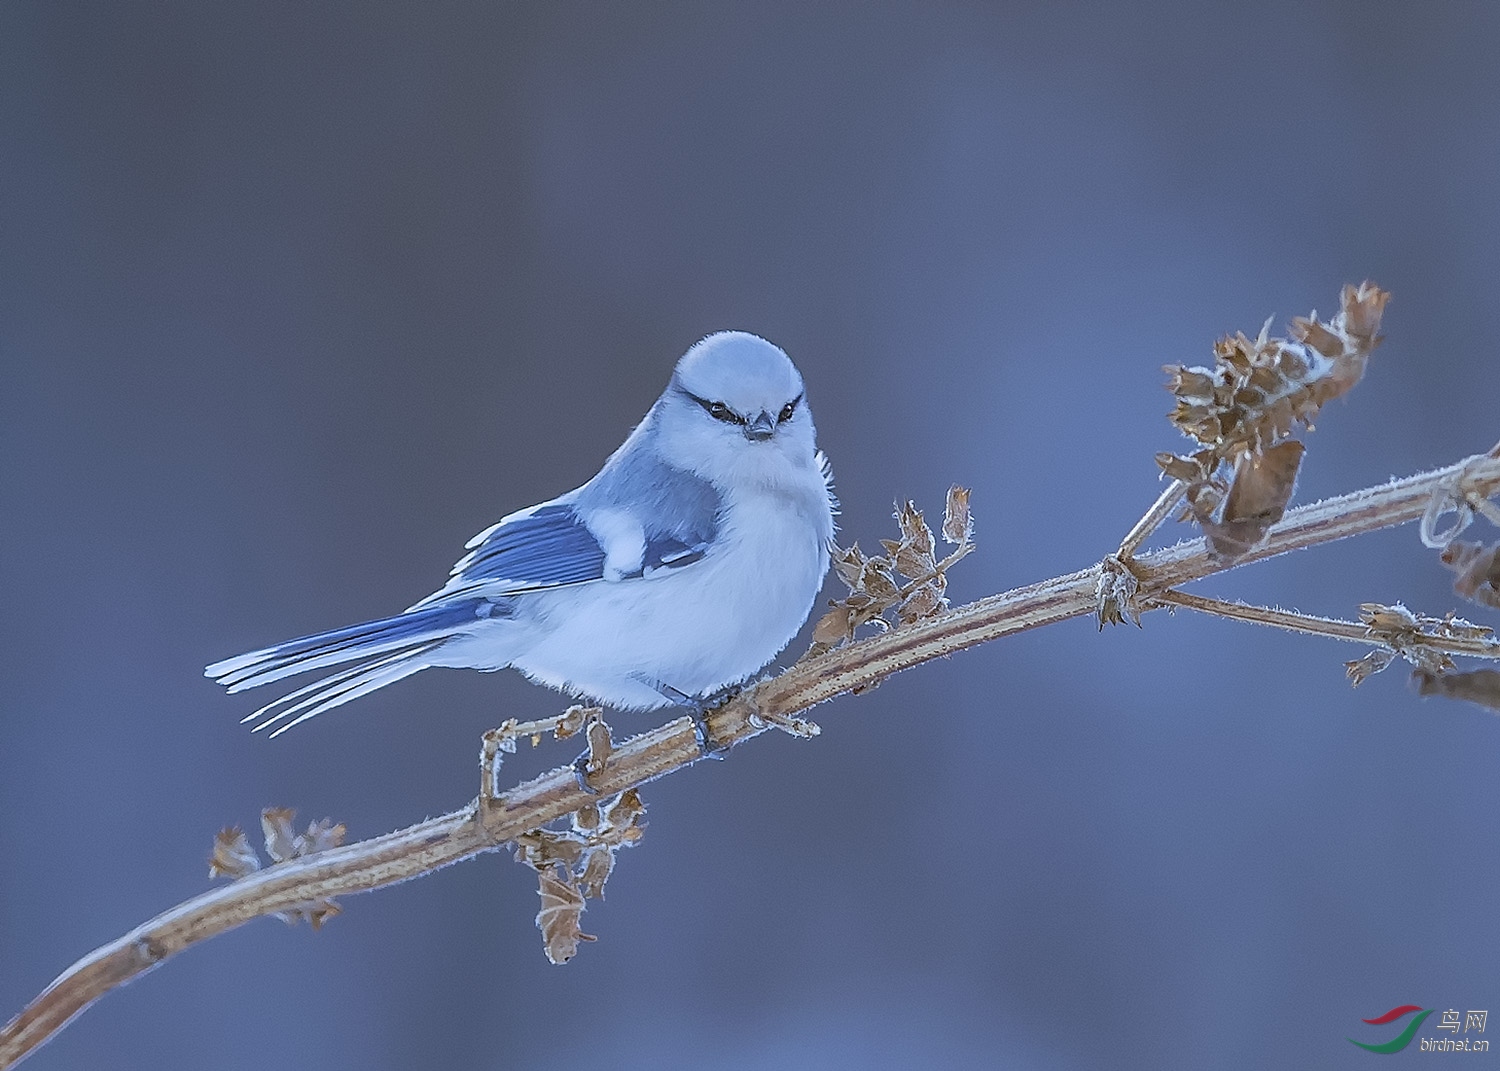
{"x":295,"y":300}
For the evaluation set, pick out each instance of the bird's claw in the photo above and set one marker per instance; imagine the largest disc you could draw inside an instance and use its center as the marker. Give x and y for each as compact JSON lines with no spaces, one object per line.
{"x":582,"y":767}
{"x":700,"y":711}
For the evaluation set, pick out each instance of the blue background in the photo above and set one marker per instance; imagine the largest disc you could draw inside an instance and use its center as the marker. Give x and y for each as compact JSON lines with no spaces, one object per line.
{"x":295,"y":299}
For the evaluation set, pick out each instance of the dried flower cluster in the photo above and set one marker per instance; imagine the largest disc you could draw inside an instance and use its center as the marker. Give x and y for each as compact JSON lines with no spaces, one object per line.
{"x":573,"y":864}
{"x":1243,"y":410}
{"x":1401,"y":632}
{"x":234,"y":858}
{"x":1258,"y":389}
{"x":907,"y":580}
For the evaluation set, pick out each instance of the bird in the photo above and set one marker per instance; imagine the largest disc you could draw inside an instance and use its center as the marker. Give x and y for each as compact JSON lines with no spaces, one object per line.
{"x":675,"y":574}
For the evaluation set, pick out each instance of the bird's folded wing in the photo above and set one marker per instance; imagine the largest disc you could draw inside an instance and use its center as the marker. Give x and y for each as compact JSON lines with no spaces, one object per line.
{"x":551,"y":546}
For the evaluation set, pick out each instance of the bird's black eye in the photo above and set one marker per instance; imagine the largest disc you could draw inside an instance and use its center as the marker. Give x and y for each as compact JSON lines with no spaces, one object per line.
{"x":720,"y":411}
{"x":787,"y":410}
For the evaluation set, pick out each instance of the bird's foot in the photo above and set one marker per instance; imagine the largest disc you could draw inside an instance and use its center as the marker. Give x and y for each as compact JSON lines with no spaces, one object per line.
{"x":583,"y":765}
{"x":698,"y":709}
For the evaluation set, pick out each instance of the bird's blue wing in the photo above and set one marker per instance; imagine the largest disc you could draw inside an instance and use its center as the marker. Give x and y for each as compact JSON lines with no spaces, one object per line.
{"x":638,"y":518}
{"x":541,"y":548}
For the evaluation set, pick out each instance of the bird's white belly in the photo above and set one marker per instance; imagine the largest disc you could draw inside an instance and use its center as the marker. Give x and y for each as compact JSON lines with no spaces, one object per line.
{"x":696,"y":629}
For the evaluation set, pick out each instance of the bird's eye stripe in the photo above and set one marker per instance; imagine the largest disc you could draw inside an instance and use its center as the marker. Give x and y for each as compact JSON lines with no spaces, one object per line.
{"x":717,"y":410}
{"x":789,"y":409}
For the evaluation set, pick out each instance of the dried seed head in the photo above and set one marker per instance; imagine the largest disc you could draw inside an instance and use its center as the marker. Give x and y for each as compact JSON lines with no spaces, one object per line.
{"x":1260,"y":388}
{"x":232,"y":857}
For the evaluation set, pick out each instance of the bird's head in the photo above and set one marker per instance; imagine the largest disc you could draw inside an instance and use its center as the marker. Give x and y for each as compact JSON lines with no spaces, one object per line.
{"x":736,"y":406}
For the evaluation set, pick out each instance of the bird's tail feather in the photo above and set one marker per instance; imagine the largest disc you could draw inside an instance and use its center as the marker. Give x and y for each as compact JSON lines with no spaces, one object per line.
{"x":386,"y":650}
{"x":339,"y":688}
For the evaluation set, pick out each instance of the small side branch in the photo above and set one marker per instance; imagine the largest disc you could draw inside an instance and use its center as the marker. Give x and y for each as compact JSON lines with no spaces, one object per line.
{"x":1354,"y":631}
{"x":1160,"y":510}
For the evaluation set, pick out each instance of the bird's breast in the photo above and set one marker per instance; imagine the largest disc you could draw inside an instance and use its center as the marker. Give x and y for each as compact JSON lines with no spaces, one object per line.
{"x":699,"y":628}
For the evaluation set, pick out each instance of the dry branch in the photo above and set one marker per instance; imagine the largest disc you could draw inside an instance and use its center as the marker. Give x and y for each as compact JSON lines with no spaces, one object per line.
{"x":490,"y":822}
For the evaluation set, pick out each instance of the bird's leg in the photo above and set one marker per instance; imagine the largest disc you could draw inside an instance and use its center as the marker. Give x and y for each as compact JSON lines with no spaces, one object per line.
{"x":701,"y":709}
{"x":581,"y":770}
{"x":697,"y":709}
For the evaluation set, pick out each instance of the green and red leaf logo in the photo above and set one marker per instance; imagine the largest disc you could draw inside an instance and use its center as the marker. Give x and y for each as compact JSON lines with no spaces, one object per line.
{"x":1401,"y":1040}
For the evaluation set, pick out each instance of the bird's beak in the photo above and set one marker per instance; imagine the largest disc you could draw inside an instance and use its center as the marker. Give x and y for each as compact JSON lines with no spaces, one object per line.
{"x":760,"y":429}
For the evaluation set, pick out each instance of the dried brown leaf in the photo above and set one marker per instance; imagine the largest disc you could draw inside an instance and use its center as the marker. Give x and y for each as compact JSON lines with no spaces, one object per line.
{"x":874,"y":588}
{"x":232,"y":857}
{"x":586,"y":819}
{"x":958,"y":522}
{"x":1370,"y":664}
{"x":876,"y":581}
{"x":848,"y":564}
{"x":1478,"y":569}
{"x":1361,"y":311}
{"x":319,"y":912}
{"x":1180,"y":468}
{"x":601,"y":744}
{"x":1392,"y":620}
{"x":626,"y":811}
{"x":542,"y":848}
{"x":914,"y":556}
{"x":573,"y":719}
{"x":924,"y":601}
{"x":320,"y":836}
{"x":1480,"y":686}
{"x":598,"y":862}
{"x":1204,"y":499}
{"x":281,"y":839}
{"x":1316,"y":335}
{"x":1257,"y":499}
{"x":558,"y":919}
{"x":834,"y":627}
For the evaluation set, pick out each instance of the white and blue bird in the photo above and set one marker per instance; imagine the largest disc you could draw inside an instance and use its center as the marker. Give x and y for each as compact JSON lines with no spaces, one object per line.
{"x":681,"y":569}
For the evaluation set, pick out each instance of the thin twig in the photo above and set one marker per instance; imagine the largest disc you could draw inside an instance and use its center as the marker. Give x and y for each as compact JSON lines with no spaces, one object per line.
{"x":486,"y":825}
{"x":1160,"y":510}
{"x":1291,"y":621}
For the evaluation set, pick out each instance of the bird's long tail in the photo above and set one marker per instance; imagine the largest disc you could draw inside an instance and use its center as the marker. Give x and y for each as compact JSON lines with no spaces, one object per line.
{"x":385,"y":651}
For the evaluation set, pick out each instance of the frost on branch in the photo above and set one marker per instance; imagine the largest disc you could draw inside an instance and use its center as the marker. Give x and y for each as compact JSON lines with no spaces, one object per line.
{"x":908,"y":580}
{"x":1244,"y":409}
{"x":573,"y":864}
{"x":234,"y":858}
